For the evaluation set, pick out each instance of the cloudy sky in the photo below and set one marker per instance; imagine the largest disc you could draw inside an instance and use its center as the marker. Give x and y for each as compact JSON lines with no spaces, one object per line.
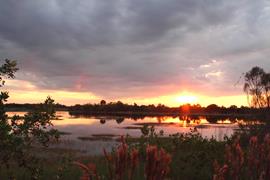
{"x":144,"y":51}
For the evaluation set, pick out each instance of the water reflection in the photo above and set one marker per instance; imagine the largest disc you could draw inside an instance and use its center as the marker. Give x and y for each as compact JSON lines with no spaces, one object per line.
{"x":208,"y":126}
{"x":76,"y":127}
{"x":102,"y":121}
{"x":119,"y":120}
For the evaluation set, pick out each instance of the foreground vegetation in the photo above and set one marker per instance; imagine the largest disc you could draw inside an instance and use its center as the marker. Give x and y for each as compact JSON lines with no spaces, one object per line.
{"x":246,"y":155}
{"x":19,"y":135}
{"x":186,"y":156}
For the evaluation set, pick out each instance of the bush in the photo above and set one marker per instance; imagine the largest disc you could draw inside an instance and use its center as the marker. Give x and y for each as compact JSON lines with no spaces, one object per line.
{"x":19,"y":135}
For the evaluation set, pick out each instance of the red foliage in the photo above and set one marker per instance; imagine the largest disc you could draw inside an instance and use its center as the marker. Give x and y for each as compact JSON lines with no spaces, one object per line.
{"x":255,"y":164}
{"x":123,"y":163}
{"x":157,"y":163}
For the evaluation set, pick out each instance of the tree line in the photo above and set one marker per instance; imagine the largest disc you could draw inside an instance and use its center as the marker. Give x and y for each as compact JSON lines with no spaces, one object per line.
{"x":122,"y":108}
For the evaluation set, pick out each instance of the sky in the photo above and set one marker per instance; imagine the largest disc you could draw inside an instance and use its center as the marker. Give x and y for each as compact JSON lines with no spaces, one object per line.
{"x":143,"y":51}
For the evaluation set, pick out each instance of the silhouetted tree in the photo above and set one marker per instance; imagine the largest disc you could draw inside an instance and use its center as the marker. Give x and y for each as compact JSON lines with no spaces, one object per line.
{"x":102,"y":102}
{"x":233,"y":109}
{"x":266,"y":88}
{"x":212,"y":108}
{"x":257,"y":87}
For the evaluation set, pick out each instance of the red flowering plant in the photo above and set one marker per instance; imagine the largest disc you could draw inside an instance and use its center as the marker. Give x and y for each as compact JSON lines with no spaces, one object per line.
{"x":157,"y":163}
{"x":254,"y":164}
{"x":123,"y":163}
{"x":120,"y":165}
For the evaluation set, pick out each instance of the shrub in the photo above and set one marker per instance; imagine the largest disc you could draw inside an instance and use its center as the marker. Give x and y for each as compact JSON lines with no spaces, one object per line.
{"x":19,"y":135}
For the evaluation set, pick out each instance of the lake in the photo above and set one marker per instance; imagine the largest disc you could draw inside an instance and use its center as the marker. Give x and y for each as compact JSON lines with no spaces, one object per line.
{"x":90,"y":134}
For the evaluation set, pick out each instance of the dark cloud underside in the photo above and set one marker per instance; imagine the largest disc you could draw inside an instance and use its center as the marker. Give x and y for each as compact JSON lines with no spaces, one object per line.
{"x":135,"y":47}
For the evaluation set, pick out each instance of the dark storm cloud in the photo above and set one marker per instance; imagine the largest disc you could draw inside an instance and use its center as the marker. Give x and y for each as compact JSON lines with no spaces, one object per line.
{"x":60,"y":24}
{"x":135,"y":47}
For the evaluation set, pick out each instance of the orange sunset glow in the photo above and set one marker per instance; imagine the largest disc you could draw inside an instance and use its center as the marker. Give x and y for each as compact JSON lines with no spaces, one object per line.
{"x":75,"y":97}
{"x":22,"y":91}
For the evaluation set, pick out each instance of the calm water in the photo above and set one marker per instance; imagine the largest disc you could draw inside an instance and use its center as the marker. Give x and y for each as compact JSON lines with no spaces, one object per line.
{"x":86,"y":127}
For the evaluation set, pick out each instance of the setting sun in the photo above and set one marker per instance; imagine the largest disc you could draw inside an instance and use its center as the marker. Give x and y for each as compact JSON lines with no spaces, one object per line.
{"x":186,"y":99}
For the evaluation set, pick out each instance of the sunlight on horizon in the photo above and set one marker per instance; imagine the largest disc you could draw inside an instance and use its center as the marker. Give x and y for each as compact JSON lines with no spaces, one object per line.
{"x":173,"y":100}
{"x":25,"y":92}
{"x":187,"y":99}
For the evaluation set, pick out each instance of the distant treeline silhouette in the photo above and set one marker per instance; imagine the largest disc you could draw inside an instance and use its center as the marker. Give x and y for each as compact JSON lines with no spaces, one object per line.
{"x":119,"y":108}
{"x":32,"y":107}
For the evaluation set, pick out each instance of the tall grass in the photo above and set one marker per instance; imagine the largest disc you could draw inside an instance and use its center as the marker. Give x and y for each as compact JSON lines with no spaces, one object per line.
{"x":122,"y":164}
